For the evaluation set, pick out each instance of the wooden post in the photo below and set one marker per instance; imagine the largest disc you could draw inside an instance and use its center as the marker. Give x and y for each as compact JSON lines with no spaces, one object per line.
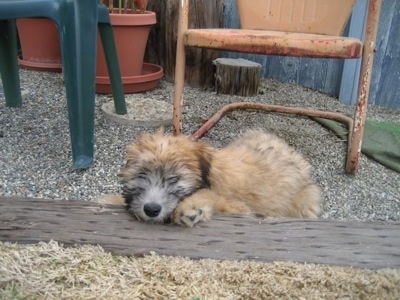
{"x":161,"y":46}
{"x":237,"y":76}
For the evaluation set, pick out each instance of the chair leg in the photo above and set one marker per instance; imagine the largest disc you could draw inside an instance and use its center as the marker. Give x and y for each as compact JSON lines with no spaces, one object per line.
{"x":356,"y":134}
{"x":107,"y":40}
{"x":78,"y":43}
{"x":9,"y":63}
{"x":178,"y":91}
{"x":180,"y":67}
{"x":355,"y":138}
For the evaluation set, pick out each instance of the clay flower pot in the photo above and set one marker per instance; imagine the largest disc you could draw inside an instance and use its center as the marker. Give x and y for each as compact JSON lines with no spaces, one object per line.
{"x":40,"y":45}
{"x":131,"y":32}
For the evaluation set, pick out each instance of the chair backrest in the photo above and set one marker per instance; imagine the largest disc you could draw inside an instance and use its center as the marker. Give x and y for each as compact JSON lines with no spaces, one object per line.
{"x":306,"y":16}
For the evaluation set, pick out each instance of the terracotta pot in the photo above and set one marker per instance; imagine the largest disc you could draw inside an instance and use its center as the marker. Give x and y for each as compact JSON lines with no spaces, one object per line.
{"x":307,"y":16}
{"x":131,"y":32}
{"x":40,"y":45}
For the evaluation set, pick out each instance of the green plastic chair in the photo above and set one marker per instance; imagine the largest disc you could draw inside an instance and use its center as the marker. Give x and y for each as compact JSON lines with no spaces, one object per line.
{"x":77,"y":22}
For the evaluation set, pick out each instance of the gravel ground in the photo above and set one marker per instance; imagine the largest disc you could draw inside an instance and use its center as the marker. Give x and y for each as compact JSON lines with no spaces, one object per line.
{"x":35,"y":153}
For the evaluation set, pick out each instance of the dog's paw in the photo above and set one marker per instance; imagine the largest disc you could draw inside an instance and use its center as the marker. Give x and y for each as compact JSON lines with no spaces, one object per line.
{"x":190,"y":216}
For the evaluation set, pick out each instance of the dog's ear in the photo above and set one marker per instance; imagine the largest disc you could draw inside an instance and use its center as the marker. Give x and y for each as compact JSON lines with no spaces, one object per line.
{"x":131,"y":152}
{"x":134,"y":153}
{"x":204,"y":157}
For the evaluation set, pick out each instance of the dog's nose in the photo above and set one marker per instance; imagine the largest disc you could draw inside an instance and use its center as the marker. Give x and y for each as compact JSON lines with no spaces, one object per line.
{"x":152,"y":209}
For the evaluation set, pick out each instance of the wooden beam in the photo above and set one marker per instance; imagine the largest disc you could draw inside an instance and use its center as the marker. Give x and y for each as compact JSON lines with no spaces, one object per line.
{"x":358,"y":244}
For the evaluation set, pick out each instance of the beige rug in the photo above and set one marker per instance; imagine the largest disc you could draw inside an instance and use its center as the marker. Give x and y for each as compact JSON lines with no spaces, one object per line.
{"x":50,"y":271}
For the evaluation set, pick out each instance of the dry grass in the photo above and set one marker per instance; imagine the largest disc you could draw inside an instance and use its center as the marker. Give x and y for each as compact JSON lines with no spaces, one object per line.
{"x":51,"y":271}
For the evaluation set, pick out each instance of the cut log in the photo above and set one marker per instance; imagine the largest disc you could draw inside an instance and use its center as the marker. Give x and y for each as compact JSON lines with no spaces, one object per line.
{"x":358,"y":244}
{"x":237,"y":76}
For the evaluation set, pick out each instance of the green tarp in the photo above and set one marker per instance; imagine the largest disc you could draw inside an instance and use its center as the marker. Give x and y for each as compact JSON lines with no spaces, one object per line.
{"x":381,"y":140}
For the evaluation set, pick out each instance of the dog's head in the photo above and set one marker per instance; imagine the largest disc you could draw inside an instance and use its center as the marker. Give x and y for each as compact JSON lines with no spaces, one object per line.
{"x":161,"y":171}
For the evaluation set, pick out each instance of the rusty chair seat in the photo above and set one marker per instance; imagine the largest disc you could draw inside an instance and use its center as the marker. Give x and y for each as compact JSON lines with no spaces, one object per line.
{"x":274,"y":43}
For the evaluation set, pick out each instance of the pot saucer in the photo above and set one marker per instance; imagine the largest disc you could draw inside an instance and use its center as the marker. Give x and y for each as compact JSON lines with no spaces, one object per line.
{"x":151,"y":74}
{"x":40,"y":66}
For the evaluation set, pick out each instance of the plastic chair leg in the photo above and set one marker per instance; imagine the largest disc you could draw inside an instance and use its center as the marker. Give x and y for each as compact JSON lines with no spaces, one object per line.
{"x":107,"y":40}
{"x":9,"y":63}
{"x":79,"y":62}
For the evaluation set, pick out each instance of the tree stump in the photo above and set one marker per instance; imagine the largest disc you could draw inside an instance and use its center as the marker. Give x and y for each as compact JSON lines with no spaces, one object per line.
{"x":237,"y":76}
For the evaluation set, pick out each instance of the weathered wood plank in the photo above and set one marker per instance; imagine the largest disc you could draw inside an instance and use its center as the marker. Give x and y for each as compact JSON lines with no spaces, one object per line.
{"x":161,"y":46}
{"x":358,"y":244}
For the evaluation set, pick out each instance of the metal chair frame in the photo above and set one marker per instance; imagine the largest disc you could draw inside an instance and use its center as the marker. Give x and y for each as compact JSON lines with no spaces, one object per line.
{"x":282,"y":43}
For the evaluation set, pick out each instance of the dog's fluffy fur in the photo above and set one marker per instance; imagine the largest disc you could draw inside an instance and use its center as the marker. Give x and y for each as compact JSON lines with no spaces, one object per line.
{"x":174,"y":178}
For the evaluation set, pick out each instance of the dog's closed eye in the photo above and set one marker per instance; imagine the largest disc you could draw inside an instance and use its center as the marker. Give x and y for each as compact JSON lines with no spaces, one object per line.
{"x":142,"y":175}
{"x":173,"y":179}
{"x":133,"y":191}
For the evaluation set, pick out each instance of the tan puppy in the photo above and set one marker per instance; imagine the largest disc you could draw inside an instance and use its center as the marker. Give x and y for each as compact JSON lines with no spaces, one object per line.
{"x":174,"y":178}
